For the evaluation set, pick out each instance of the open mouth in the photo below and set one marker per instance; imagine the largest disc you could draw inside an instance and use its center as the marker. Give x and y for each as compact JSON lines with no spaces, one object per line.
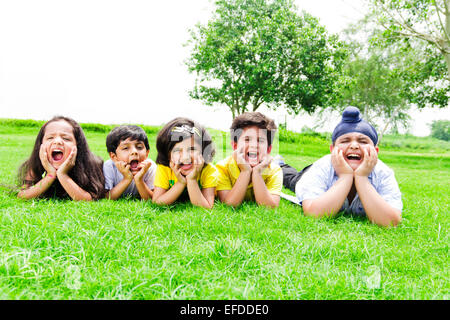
{"x":252,"y":158}
{"x":353,"y":156}
{"x":57,"y":155}
{"x":134,"y":164}
{"x":252,"y":155}
{"x":186,"y":167}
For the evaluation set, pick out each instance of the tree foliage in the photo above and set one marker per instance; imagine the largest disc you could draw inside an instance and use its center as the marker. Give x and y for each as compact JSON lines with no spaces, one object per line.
{"x":375,"y":89}
{"x":375,"y":84}
{"x":255,"y":52}
{"x":420,"y":29}
{"x":440,"y":129}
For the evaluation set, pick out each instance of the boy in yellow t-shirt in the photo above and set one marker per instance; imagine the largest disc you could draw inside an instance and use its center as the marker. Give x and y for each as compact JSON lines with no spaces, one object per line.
{"x":249,"y":173}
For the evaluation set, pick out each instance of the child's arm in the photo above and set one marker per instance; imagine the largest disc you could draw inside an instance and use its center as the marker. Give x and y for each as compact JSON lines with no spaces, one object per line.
{"x":142,"y":187}
{"x":202,"y":198}
{"x":117,"y":191}
{"x":329,"y":203}
{"x":34,"y":191}
{"x":235,"y":196}
{"x":377,"y":209}
{"x":74,"y":190}
{"x":163,"y":196}
{"x":29,"y":191}
{"x":262,"y":194}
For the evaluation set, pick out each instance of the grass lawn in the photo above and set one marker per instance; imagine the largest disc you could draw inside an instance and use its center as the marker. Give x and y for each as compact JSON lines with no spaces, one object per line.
{"x":129,"y":249}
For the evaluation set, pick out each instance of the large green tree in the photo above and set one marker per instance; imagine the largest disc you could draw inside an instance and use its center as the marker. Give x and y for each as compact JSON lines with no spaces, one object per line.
{"x":255,"y":52}
{"x":375,"y":74}
{"x":421,"y":30}
{"x":376,"y":90}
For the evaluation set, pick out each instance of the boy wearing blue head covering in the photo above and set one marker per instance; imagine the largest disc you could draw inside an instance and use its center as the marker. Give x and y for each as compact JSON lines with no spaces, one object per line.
{"x":351,"y":178}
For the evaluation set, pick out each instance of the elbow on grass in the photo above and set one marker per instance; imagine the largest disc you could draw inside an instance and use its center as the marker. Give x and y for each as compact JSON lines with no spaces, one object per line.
{"x":309,"y":209}
{"x":394,"y":221}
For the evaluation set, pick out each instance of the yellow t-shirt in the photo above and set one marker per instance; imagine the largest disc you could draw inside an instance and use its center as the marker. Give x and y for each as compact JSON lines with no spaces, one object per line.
{"x":165,"y":178}
{"x":229,"y":173}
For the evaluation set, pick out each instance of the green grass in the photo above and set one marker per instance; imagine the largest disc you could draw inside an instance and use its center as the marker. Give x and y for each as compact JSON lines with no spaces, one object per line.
{"x":129,"y":249}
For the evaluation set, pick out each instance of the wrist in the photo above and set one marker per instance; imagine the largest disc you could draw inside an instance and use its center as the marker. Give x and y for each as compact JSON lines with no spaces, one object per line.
{"x":191,"y":179}
{"x":51,"y":175}
{"x":257,"y":171}
{"x":361,"y":178}
{"x":346,"y":176}
{"x":60,"y":173}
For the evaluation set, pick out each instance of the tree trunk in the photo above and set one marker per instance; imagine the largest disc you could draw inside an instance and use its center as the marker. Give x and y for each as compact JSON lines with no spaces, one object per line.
{"x":447,"y":36}
{"x":447,"y":60}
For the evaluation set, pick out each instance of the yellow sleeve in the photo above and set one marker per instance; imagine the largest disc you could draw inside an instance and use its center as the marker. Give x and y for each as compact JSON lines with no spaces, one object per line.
{"x":223,"y":179}
{"x":162,"y":177}
{"x":274,"y":181}
{"x":209,"y":177}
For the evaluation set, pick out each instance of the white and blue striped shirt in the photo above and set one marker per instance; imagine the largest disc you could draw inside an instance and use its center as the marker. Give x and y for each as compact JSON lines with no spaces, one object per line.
{"x":321,"y":176}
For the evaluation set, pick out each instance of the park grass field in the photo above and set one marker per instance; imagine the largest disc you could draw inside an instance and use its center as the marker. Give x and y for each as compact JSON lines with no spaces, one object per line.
{"x":129,"y":249}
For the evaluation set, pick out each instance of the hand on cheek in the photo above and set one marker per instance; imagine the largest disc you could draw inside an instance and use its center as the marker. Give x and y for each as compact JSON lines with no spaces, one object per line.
{"x":197,"y":169}
{"x":69,"y":163}
{"x":339,"y":164}
{"x":177,"y":172}
{"x":143,"y":168}
{"x":265,"y":161}
{"x":43,"y":156}
{"x":239,"y":157}
{"x":369,"y":162}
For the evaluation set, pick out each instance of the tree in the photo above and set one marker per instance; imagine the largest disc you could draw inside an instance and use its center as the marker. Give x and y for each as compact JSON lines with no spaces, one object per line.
{"x":440,"y":129}
{"x":375,"y":89}
{"x":421,"y":27}
{"x":255,"y":52}
{"x":375,"y":82}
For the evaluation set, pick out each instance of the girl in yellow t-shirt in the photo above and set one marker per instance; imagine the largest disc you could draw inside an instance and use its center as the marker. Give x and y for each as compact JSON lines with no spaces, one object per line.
{"x":184,"y":170}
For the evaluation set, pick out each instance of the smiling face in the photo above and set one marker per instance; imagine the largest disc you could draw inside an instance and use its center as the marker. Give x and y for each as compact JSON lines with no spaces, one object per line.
{"x":254,"y":145}
{"x":59,"y":141}
{"x":352,"y":145}
{"x":183,"y":155}
{"x":132,"y":152}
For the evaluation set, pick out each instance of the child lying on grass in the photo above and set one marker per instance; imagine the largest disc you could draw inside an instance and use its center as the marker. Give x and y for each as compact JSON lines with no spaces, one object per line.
{"x":351,"y":178}
{"x":129,"y":172}
{"x":249,"y":173}
{"x":185,"y":171}
{"x":61,"y":164}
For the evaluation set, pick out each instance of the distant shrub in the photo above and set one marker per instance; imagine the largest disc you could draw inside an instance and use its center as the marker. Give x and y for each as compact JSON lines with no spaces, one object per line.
{"x":307,"y":137}
{"x":440,"y":129}
{"x":21,"y":123}
{"x":92,"y":127}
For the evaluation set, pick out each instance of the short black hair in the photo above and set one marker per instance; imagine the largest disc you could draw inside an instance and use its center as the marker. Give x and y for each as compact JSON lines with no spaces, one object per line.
{"x":123,"y":132}
{"x":168,"y":137}
{"x":249,"y":119}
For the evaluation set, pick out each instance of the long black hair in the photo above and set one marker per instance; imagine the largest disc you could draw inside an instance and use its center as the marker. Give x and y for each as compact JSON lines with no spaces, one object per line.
{"x":87,"y":172}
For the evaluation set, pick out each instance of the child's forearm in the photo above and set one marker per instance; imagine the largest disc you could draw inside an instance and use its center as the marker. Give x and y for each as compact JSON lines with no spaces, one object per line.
{"x":329,"y":203}
{"x":74,"y":190}
{"x":116,"y":192}
{"x":196,"y":196}
{"x":377,"y":209}
{"x":236,"y":195}
{"x":262,"y":194}
{"x":144,"y":190}
{"x":171,"y":195}
{"x":38,"y":189}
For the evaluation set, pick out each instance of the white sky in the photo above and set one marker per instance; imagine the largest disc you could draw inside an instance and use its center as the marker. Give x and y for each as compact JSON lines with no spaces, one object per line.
{"x":112,"y":61}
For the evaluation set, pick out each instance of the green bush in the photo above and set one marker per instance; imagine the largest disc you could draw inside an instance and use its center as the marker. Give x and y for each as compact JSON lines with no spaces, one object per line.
{"x":92,"y":127}
{"x":440,"y":129}
{"x":307,"y":137}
